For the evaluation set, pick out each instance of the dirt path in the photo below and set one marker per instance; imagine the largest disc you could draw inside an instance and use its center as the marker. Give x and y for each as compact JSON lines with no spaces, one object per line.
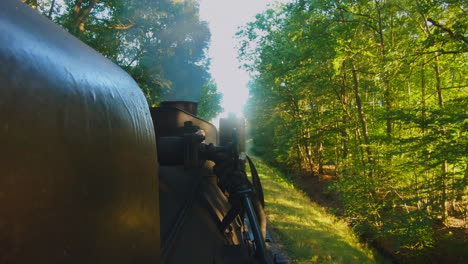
{"x":276,"y":246}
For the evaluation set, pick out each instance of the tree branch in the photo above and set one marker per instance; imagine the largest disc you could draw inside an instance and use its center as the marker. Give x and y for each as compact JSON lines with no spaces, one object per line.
{"x":448,"y":30}
{"x":137,"y":57}
{"x":117,"y":26}
{"x":51,"y":10}
{"x":80,"y":14}
{"x":454,"y":87}
{"x":122,"y":26}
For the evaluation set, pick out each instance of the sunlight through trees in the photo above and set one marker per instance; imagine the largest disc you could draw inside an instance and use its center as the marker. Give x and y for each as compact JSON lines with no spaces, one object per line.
{"x":378,"y":91}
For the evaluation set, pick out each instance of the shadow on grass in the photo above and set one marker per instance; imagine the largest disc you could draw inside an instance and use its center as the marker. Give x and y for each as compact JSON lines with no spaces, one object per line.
{"x":308,"y":233}
{"x":319,"y":244}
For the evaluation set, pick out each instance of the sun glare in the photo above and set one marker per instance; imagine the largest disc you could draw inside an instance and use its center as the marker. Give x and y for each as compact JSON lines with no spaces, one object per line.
{"x":225,"y":18}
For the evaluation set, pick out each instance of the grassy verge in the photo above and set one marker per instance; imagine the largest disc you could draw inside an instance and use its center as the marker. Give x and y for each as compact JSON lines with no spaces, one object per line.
{"x":307,"y":232}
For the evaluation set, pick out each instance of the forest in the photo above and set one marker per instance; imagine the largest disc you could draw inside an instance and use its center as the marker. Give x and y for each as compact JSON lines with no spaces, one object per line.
{"x":374,"y":94}
{"x":161,"y":44}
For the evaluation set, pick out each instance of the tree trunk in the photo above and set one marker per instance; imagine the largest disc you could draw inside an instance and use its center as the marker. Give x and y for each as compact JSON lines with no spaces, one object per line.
{"x":81,"y":13}
{"x":444,"y":190}
{"x":51,"y":10}
{"x":386,"y":82}
{"x":320,"y":157}
{"x":438,"y":82}
{"x":444,"y":167}
{"x":362,"y":117}
{"x":423,"y":99}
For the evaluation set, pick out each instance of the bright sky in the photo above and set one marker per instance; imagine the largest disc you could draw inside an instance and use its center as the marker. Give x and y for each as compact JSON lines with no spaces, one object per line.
{"x":224,"y":18}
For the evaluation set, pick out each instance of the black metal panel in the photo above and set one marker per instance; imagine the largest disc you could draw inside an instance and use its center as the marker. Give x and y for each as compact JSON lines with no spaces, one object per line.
{"x":198,"y":239}
{"x":78,"y":164}
{"x":169,"y":121}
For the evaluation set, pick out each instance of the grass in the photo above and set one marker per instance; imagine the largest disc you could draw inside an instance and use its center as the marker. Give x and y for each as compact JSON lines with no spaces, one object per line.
{"x":308,"y":233}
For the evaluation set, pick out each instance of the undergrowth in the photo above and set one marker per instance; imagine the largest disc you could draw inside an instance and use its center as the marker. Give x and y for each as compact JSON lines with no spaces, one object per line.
{"x":308,"y":233}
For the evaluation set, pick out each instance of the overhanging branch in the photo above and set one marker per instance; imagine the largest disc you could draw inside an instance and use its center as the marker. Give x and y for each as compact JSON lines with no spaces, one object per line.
{"x":448,"y":30}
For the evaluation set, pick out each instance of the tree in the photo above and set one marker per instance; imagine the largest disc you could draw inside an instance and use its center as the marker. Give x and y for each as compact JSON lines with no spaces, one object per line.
{"x":209,"y":105}
{"x":162,"y":44}
{"x":373,"y":88}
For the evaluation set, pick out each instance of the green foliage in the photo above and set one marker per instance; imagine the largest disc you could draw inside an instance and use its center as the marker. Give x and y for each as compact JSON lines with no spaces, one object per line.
{"x":375,"y":89}
{"x":209,"y":105}
{"x":161,"y":44}
{"x":308,"y":233}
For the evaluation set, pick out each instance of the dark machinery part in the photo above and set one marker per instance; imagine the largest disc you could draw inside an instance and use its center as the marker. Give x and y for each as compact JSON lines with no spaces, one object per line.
{"x":256,"y":181}
{"x":241,"y":198}
{"x":259,"y":240}
{"x":172,"y":234}
{"x":169,"y":121}
{"x":192,"y":205}
{"x":192,"y":141}
{"x":230,"y":171}
{"x":78,"y":165}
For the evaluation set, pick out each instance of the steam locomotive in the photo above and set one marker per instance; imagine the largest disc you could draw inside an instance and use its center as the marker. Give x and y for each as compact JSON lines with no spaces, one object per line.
{"x":90,"y":174}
